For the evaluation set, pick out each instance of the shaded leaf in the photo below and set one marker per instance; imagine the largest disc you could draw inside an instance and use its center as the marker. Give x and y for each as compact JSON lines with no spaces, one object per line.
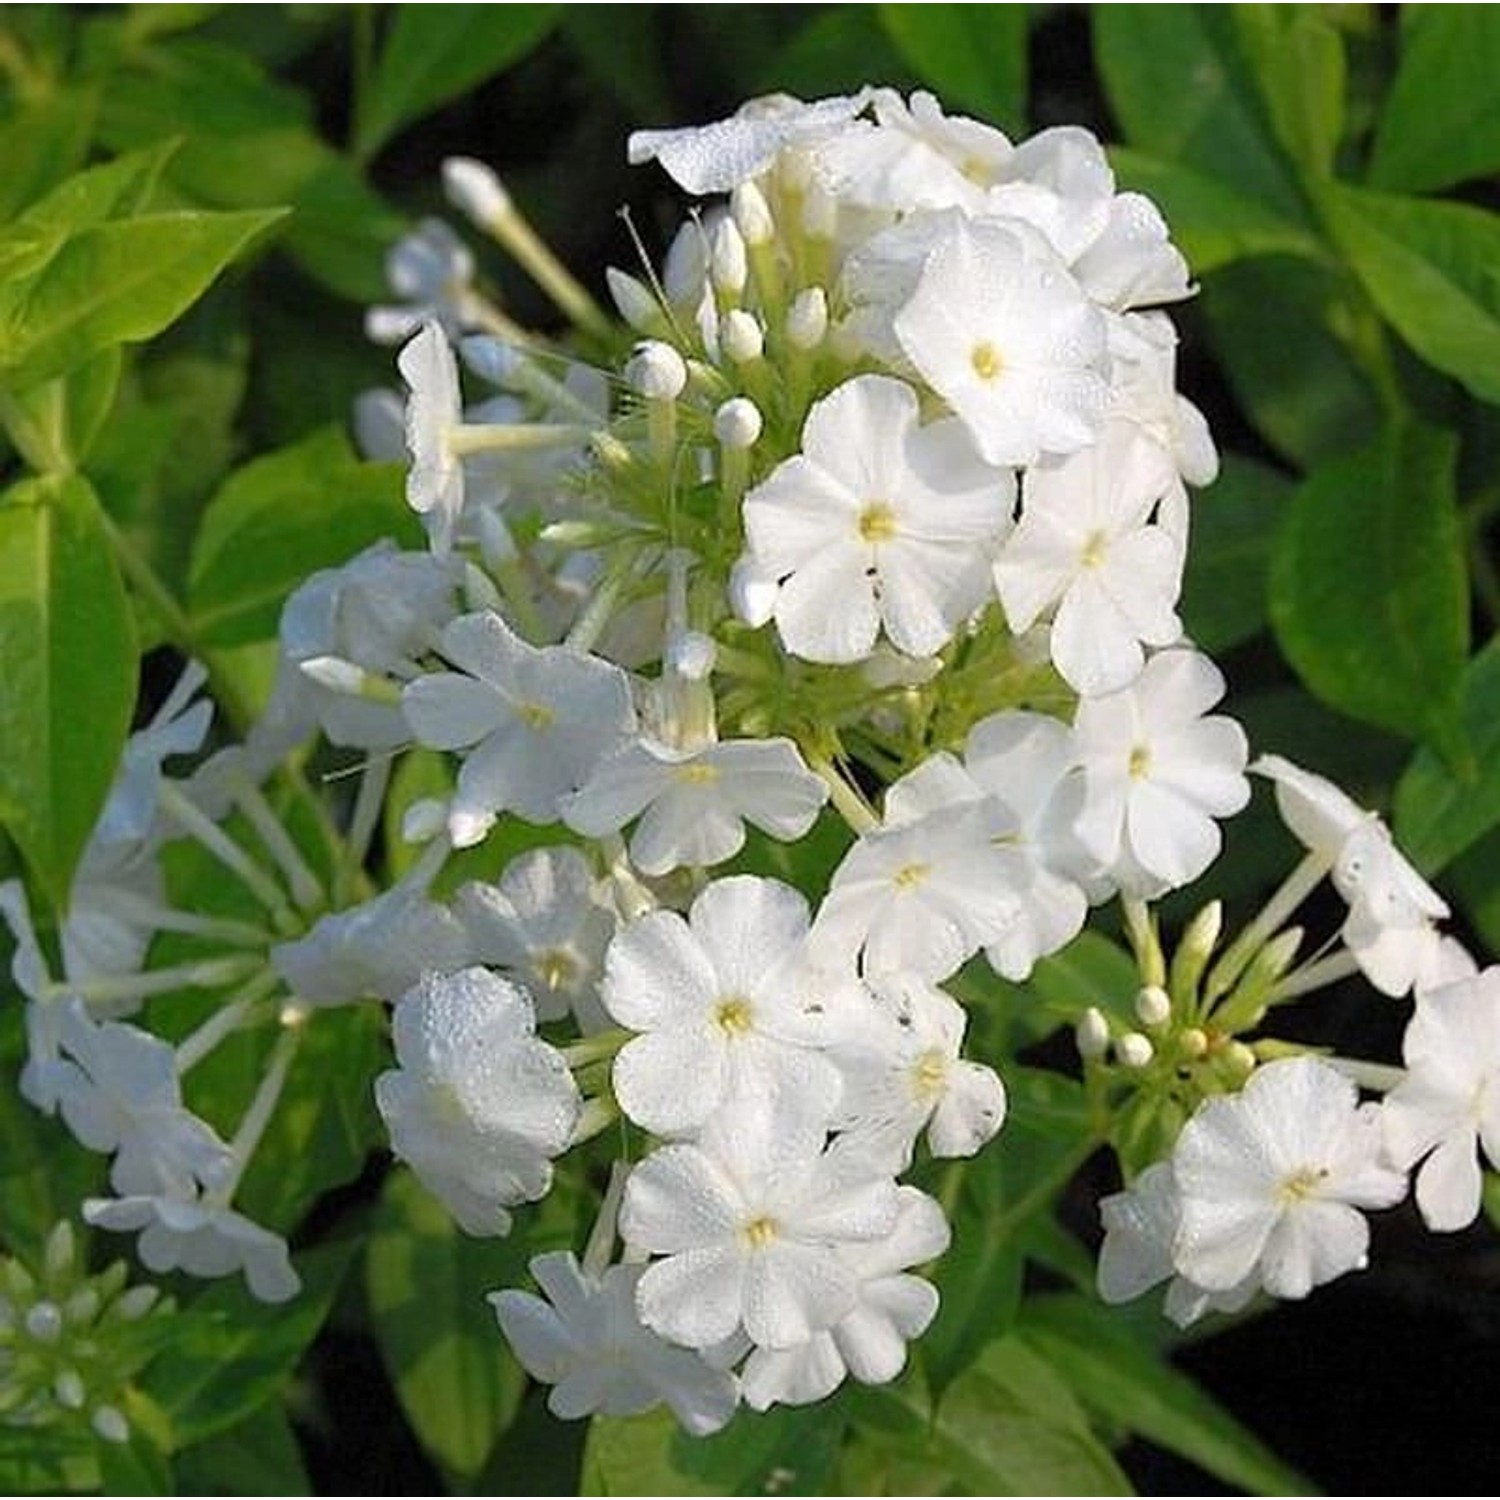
{"x":259,"y":1456}
{"x":41,"y":143}
{"x":974,"y":57}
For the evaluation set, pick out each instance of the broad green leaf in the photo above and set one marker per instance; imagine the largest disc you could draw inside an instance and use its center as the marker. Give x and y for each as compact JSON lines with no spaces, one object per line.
{"x":1224,"y":586}
{"x":1212,"y":221}
{"x":259,"y":1456}
{"x":1369,"y":591}
{"x":113,"y":283}
{"x":837,"y":51}
{"x":1273,"y":322}
{"x":40,"y":144}
{"x":1127,"y":1384}
{"x":1439,"y":813}
{"x":786,"y":1451}
{"x":1441,"y":122}
{"x":114,"y":189}
{"x":1009,"y":1426}
{"x":1297,"y":58}
{"x":1474,"y":878}
{"x":434,"y":53}
{"x":1181,"y":89}
{"x":457,"y":1380}
{"x":1091,"y":970}
{"x":53,"y":425}
{"x":67,"y":672}
{"x":973,"y":57}
{"x":276,"y":522}
{"x":1431,"y":270}
{"x":232,"y":1355}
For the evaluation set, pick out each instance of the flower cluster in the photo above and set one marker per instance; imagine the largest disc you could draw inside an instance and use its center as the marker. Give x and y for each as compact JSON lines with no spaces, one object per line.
{"x":858,"y":561}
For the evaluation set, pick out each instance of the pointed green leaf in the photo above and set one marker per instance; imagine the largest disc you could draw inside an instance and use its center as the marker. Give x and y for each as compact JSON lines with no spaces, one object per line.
{"x":67,"y":672}
{"x":1297,"y":59}
{"x":974,"y":57}
{"x":1369,"y":591}
{"x":40,"y":144}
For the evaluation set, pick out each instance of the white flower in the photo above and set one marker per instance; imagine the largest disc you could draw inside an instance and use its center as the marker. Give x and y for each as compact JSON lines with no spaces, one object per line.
{"x":587,"y":1342}
{"x":1001,"y":331}
{"x":200,"y":1237}
{"x":723,"y":1003}
{"x":1448,"y":1104}
{"x":1144,"y":391}
{"x":877,"y":522}
{"x":544,"y":922}
{"x":1157,"y":773}
{"x":433,"y":270}
{"x":693,"y":803}
{"x":1086,"y":544}
{"x":434,"y":407}
{"x":477,"y":1104}
{"x":535,"y":721}
{"x":1272,"y":1180}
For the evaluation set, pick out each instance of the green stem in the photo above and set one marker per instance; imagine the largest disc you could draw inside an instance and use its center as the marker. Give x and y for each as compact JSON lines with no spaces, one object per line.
{"x":1046,"y":1187}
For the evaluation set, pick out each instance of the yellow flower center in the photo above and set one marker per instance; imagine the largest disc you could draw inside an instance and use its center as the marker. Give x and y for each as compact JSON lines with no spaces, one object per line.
{"x":929,"y":1075}
{"x":556,"y":968}
{"x":733,"y":1014}
{"x":536,"y":715}
{"x":760,"y":1232}
{"x":987,"y":360}
{"x":696,"y":773}
{"x":877,"y":522}
{"x":1140,"y":762}
{"x":1300,"y":1185}
{"x":909,"y":876}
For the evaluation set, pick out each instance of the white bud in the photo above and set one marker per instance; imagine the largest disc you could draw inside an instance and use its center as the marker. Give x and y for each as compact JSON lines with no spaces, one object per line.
{"x":134,"y":1303}
{"x":633,"y":299}
{"x":752,"y":592}
{"x":738,"y":424}
{"x":110,"y":1424}
{"x":423,"y":820}
{"x":807,"y":318}
{"x":389,"y":326}
{"x":68,"y":1388}
{"x":656,"y":371}
{"x":491,"y":358}
{"x":1134,"y":1050}
{"x":727,"y":266}
{"x":335,"y":673}
{"x":1153,"y":1006}
{"x":44,"y":1322}
{"x":691,"y":655}
{"x":1092,"y":1033}
{"x":1239,"y":1059}
{"x":1193,"y":1043}
{"x":740,"y":336}
{"x":752,"y":215}
{"x":61,"y":1248}
{"x":83,"y":1306}
{"x":475,"y":190}
{"x":820,"y":212}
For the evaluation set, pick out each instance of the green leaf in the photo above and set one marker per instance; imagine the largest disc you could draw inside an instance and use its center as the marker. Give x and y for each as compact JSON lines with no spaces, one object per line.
{"x":1439,"y":813}
{"x":1129,"y":1385}
{"x":41,"y":143}
{"x":259,"y":1456}
{"x":1297,"y":59}
{"x":112,"y":190}
{"x":836,"y":52}
{"x":1369,"y":591}
{"x":1431,"y":270}
{"x":1179,"y":86}
{"x":785,"y":1451}
{"x":1211,"y":222}
{"x":434,"y":53}
{"x":1091,"y":970}
{"x":54,"y":425}
{"x":1224,"y":586}
{"x":116,"y":282}
{"x":277,"y":521}
{"x":973,"y":56}
{"x":67,"y":672}
{"x":455,"y":1375}
{"x":1441,"y":121}
{"x":231,"y":1355}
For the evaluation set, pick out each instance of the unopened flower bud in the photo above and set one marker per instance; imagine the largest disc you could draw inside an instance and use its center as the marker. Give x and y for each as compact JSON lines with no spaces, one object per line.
{"x":728,"y":268}
{"x":738,"y":423}
{"x":656,"y":371}
{"x":1092,"y":1033}
{"x":1153,"y":1006}
{"x":633,"y":300}
{"x":740,"y":336}
{"x":1192,"y":1044}
{"x":1238,"y":1061}
{"x":83,"y":1306}
{"x":44,"y":1322}
{"x":1133,"y":1050}
{"x":424,"y":820}
{"x":109,"y":1423}
{"x":136,"y":1302}
{"x":1196,"y":948}
{"x":68,"y":1389}
{"x":820,"y":212}
{"x":60,"y":1251}
{"x":752,"y":214}
{"x":691,"y":655}
{"x":475,"y":190}
{"x":807,"y":318}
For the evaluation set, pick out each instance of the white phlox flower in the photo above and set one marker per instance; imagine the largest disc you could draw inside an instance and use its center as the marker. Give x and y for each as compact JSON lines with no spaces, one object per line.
{"x":1143,"y":350}
{"x":877,"y":523}
{"x":751,"y":1223}
{"x":1272,"y":1180}
{"x":433,"y":271}
{"x":434,"y":408}
{"x":724,"y":1002}
{"x":1087,"y":548}
{"x":1157,"y":772}
{"x":1448,"y":1104}
{"x":201,"y":1237}
{"x":545,"y":922}
{"x":1003,"y":333}
{"x":891,"y":1308}
{"x":588,"y":1343}
{"x":899,"y":1056}
{"x":1391,"y":927}
{"x":534,"y":720}
{"x":476,"y":1105}
{"x":1140,"y":1230}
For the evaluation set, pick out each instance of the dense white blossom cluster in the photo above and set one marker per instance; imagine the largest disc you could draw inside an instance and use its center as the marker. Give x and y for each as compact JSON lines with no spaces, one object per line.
{"x":869,"y":545}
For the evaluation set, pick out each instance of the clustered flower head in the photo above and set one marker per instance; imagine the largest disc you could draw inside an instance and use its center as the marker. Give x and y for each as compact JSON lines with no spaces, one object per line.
{"x":854,"y":552}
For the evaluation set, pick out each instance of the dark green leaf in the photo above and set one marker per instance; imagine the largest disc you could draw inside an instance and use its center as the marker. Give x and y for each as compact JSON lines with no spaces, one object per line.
{"x":67,"y":672}
{"x":278,"y":520}
{"x":40,"y":144}
{"x":1128,"y":1384}
{"x":117,"y":282}
{"x":259,"y":1456}
{"x":434,"y":53}
{"x":1439,"y":813}
{"x":1369,"y":592}
{"x":1431,"y":270}
{"x":974,"y":57}
{"x":838,"y":51}
{"x":1441,"y":122}
{"x":1297,"y":59}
